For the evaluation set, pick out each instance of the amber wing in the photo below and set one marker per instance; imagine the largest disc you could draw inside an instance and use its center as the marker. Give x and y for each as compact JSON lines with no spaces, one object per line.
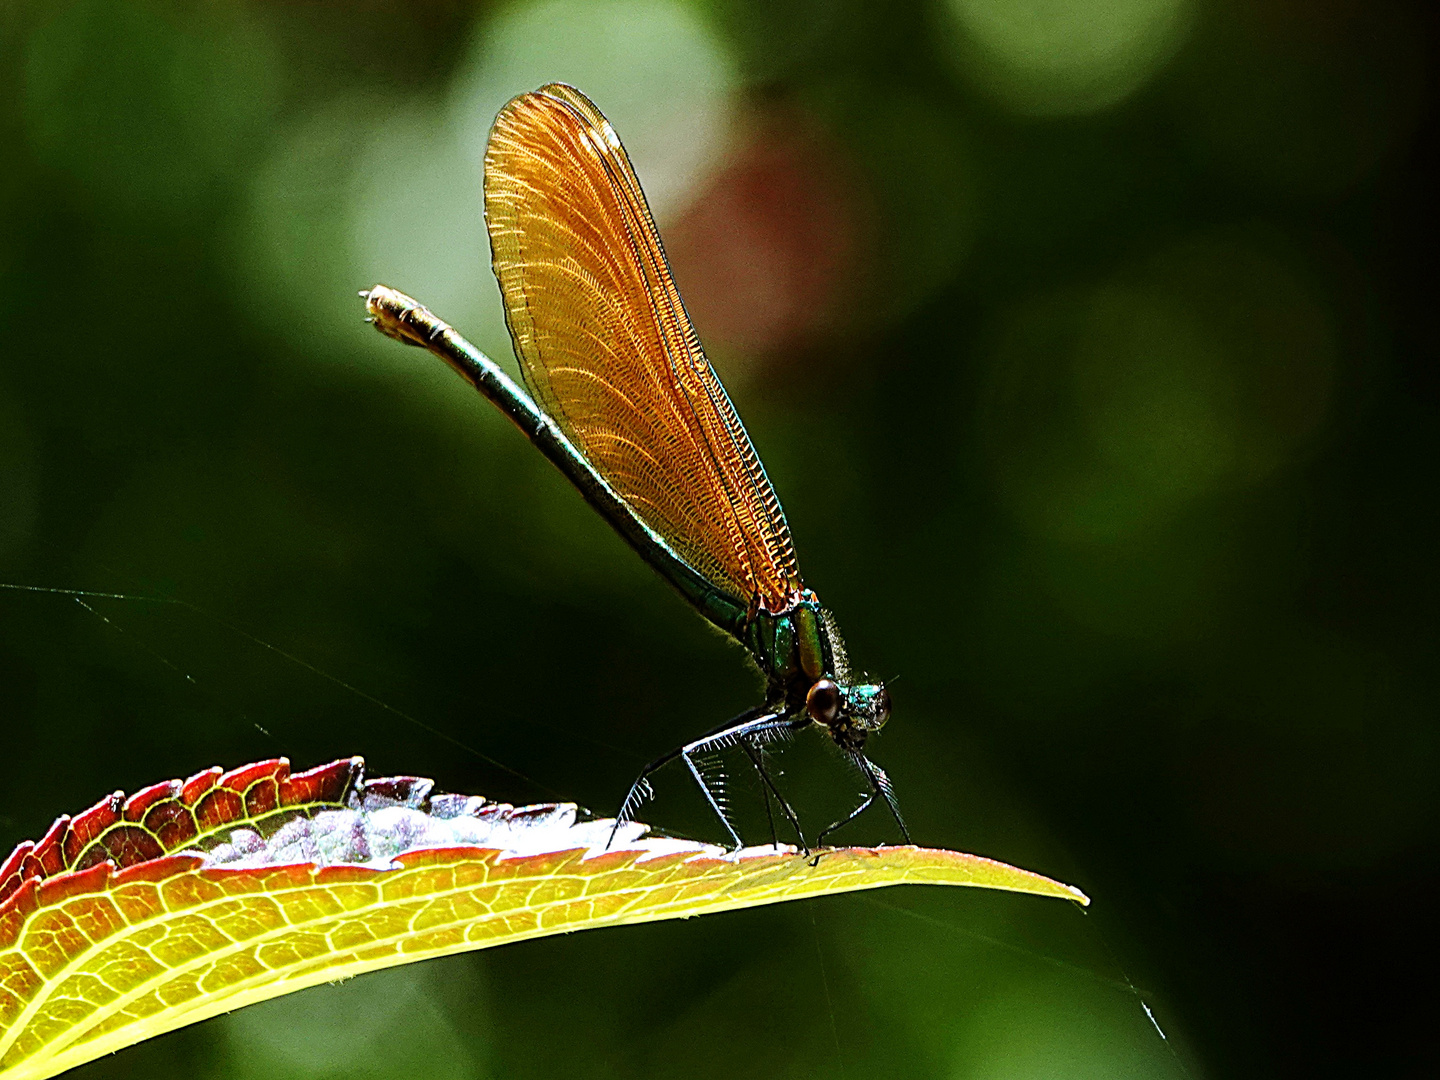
{"x":608,"y":350}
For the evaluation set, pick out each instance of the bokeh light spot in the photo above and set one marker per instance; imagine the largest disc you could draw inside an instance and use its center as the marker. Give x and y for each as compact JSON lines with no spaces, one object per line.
{"x":344,"y":1029}
{"x":1058,"y":57}
{"x":376,"y":189}
{"x":654,"y":67}
{"x":417,"y":223}
{"x":292,"y":234}
{"x":764,"y":252}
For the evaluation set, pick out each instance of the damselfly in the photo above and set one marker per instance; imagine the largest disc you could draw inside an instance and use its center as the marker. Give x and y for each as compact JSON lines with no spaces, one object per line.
{"x":623,"y":400}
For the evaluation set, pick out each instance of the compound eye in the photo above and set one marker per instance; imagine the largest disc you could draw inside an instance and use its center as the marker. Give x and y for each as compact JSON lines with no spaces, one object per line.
{"x":823,"y":702}
{"x":882,"y":706}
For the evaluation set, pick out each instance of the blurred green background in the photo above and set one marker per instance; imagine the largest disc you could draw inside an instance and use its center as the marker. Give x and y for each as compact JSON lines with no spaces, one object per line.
{"x":1090,"y":344}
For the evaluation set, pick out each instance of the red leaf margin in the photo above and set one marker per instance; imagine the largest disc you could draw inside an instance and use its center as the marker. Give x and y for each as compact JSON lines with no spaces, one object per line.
{"x":75,"y":902}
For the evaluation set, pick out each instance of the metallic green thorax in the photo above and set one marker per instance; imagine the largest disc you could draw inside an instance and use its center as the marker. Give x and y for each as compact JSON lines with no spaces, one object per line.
{"x":792,"y":649}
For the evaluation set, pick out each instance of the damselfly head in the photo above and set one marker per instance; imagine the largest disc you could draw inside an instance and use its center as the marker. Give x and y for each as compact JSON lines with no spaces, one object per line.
{"x":867,"y":705}
{"x":850,"y":713}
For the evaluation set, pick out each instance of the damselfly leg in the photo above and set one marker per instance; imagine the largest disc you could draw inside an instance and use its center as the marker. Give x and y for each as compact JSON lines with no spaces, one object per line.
{"x":746,"y":730}
{"x":879,"y":785}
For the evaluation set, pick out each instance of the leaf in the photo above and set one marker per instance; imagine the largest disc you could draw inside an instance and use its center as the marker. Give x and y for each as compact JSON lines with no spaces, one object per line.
{"x":192,"y":898}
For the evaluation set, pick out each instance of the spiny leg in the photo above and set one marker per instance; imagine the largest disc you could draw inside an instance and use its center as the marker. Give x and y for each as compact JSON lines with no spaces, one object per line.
{"x":710,"y":798}
{"x":749,"y":721}
{"x":865,"y":805}
{"x":879,"y":785}
{"x":769,"y":811}
{"x":757,"y":757}
{"x":768,"y":787}
{"x":882,"y":781}
{"x":740,"y":733}
{"x":639,"y":791}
